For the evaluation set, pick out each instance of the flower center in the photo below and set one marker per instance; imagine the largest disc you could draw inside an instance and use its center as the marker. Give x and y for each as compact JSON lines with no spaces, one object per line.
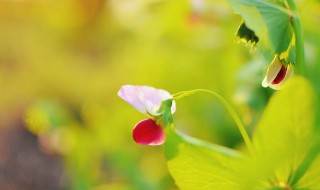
{"x":284,"y":186}
{"x":280,"y":76}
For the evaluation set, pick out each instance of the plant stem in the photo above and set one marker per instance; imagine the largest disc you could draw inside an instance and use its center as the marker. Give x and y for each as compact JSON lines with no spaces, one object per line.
{"x":230,"y":110}
{"x":297,"y":28}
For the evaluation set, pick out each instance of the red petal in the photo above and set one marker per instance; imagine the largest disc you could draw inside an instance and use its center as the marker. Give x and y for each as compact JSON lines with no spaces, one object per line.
{"x":280,"y":76}
{"x":147,"y":132}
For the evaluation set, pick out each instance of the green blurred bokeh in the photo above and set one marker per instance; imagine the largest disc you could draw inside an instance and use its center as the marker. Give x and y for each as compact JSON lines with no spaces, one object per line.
{"x":62,"y":63}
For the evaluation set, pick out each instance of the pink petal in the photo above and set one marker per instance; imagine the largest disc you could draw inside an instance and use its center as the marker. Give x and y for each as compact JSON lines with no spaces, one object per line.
{"x":144,"y":98}
{"x":147,"y":132}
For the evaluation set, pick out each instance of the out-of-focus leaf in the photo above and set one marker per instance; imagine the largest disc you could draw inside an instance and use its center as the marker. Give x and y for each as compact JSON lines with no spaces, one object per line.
{"x":311,"y":180}
{"x":270,"y":22}
{"x":195,"y":164}
{"x":284,"y":134}
{"x":307,"y":174}
{"x":45,"y":114}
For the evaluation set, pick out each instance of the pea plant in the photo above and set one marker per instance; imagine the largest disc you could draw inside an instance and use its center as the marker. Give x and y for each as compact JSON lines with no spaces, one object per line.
{"x":283,"y":151}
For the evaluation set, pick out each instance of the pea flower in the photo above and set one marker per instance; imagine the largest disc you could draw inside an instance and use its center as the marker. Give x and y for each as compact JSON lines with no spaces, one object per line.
{"x":277,"y":74}
{"x":147,"y":100}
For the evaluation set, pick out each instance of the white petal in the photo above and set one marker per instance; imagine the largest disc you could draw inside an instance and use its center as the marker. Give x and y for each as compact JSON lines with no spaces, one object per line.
{"x":146,"y":99}
{"x":130,"y":94}
{"x":289,"y":74}
{"x":272,"y":72}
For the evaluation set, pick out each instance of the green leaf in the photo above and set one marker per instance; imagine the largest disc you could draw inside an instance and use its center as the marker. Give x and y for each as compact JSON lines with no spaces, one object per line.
{"x":195,"y":164}
{"x":284,"y":134}
{"x":291,"y":58}
{"x":269,"y":21}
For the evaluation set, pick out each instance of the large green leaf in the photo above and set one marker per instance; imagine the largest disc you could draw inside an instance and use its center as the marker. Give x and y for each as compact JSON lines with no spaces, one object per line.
{"x":284,"y":142}
{"x":284,"y":134}
{"x":269,"y":21}
{"x":195,"y":164}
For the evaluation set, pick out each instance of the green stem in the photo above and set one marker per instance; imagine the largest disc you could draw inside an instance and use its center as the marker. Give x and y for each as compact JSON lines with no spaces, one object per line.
{"x":297,"y":28}
{"x":229,"y":108}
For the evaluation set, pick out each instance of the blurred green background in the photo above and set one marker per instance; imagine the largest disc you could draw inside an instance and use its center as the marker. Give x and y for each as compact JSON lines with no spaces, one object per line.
{"x":62,"y":125}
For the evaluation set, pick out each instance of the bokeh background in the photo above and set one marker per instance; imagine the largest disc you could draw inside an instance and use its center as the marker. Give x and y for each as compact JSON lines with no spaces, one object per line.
{"x":62,"y":62}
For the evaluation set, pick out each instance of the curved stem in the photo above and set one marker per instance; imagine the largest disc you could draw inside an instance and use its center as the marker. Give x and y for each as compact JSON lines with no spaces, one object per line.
{"x":296,"y":24}
{"x":230,"y":110}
